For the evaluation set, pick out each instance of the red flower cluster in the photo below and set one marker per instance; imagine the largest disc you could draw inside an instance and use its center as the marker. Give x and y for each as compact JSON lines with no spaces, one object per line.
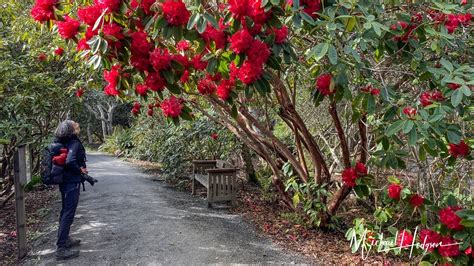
{"x":451,"y":21}
{"x":416,"y":200}
{"x":323,"y":84}
{"x":185,"y":76}
{"x":68,"y":28}
{"x":218,"y":36}
{"x":144,"y":4}
{"x":459,"y":150}
{"x":82,"y":45}
{"x":140,"y":49}
{"x":429,"y":239}
{"x":111,"y":5}
{"x":257,"y":12}
{"x":250,"y":8}
{"x":448,"y":217}
{"x":206,"y":86}
{"x":404,"y":238}
{"x":454,"y":86}
{"x":449,"y":247}
{"x":160,"y":59}
{"x":79,"y":92}
{"x":310,"y":7}
{"x":172,"y":107}
{"x":214,"y":136}
{"x":394,"y":191}
{"x":183,"y":45}
{"x":89,"y":14}
{"x":259,"y":52}
{"x":175,"y":12}
{"x":249,"y":72}
{"x":59,"y":51}
{"x":371,"y":90}
{"x":155,"y":82}
{"x":410,"y":112}
{"x":224,"y":89}
{"x":241,"y":41}
{"x":111,"y":77}
{"x":113,"y":34}
{"x":198,"y":63}
{"x":281,"y":34}
{"x":428,"y":97}
{"x":43,"y":10}
{"x":350,"y":175}
{"x":141,"y":89}
{"x":42,"y":57}
{"x":136,"y":108}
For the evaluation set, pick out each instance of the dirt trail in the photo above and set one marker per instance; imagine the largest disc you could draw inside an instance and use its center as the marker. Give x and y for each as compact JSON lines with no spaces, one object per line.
{"x":128,"y":218}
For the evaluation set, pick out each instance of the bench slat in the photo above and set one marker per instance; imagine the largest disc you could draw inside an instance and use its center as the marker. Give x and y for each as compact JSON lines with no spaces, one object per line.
{"x":203,"y":179}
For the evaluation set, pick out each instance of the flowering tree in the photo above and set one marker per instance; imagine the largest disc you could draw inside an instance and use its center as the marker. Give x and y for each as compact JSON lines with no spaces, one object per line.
{"x":397,"y":73}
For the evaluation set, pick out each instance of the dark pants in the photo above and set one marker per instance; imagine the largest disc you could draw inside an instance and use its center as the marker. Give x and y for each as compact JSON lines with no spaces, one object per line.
{"x":70,"y":198}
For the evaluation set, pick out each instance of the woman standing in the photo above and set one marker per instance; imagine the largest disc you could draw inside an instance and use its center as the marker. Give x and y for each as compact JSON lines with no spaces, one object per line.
{"x":66,"y":134}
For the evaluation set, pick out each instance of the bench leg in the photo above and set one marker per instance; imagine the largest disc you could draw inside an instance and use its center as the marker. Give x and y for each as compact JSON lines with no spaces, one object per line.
{"x":193,"y":187}
{"x":210,"y":189}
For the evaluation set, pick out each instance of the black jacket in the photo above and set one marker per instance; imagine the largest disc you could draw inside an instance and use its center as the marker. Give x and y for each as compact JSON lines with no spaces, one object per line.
{"x":76,"y":158}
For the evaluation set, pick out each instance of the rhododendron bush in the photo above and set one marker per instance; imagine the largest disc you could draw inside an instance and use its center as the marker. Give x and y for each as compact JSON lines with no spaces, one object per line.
{"x":400,"y":72}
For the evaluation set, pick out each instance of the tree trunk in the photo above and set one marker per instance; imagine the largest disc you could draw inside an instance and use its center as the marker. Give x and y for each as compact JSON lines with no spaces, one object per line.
{"x":248,"y":165}
{"x":89,"y":133}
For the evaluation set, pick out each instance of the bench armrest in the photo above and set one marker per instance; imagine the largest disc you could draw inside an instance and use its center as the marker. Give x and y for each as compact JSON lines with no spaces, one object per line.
{"x":221,"y":170}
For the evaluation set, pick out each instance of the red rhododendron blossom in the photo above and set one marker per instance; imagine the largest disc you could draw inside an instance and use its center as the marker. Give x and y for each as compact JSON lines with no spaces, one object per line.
{"x":394,"y":191}
{"x":90,"y":33}
{"x":416,"y":200}
{"x":144,"y":4}
{"x":404,"y":238}
{"x":451,"y":23}
{"x":79,"y":92}
{"x":459,"y":150}
{"x":258,"y":52}
{"x":449,"y":247}
{"x":448,"y":217}
{"x":59,"y":51}
{"x":198,"y":63}
{"x":42,"y":57}
{"x":160,"y":59}
{"x":250,"y":72}
{"x":239,"y":8}
{"x":429,"y":97}
{"x":214,"y":136}
{"x":183,"y":45}
{"x":150,"y":112}
{"x":82,"y":45}
{"x":465,"y":19}
{"x":113,"y":31}
{"x":240,"y":41}
{"x":184,"y":77}
{"x":400,"y":24}
{"x":111,"y":5}
{"x":361,"y":169}
{"x":454,"y":86}
{"x":310,"y":7}
{"x":206,"y":86}
{"x":218,"y":36}
{"x":182,"y":59}
{"x":111,"y":76}
{"x":375,"y":92}
{"x":140,"y":44}
{"x":257,"y":12}
{"x":224,"y":89}
{"x":141,"y":89}
{"x":171,"y":107}
{"x":43,"y":10}
{"x":323,"y":84}
{"x":410,"y":112}
{"x":68,"y":28}
{"x":89,"y":15}
{"x":468,"y":251}
{"x":175,"y":12}
{"x":155,"y":82}
{"x":281,"y":34}
{"x":429,"y":239}
{"x":137,"y":105}
{"x":140,"y":62}
{"x":349,"y":176}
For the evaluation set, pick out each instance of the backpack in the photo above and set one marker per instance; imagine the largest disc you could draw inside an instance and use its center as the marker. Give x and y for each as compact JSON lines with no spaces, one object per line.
{"x":51,"y":174}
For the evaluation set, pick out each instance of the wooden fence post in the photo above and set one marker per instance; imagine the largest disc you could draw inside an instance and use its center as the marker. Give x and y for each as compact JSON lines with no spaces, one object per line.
{"x":20,"y":179}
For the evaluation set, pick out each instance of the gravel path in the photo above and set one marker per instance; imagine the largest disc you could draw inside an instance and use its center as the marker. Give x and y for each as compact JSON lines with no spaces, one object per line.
{"x":129,"y":219}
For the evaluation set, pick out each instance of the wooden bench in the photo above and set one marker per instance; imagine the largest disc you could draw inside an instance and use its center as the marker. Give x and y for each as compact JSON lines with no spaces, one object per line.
{"x":217,"y":177}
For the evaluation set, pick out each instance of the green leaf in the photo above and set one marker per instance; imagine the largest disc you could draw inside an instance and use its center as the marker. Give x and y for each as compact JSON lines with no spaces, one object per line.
{"x":193,"y":20}
{"x":393,"y":180}
{"x":412,"y":137}
{"x":319,"y":51}
{"x":362,"y":191}
{"x":332,"y":54}
{"x":202,"y":24}
{"x":446,"y":64}
{"x":350,"y":24}
{"x":211,"y":19}
{"x":425,"y":263}
{"x":394,"y":128}
{"x":407,"y":126}
{"x":456,"y":97}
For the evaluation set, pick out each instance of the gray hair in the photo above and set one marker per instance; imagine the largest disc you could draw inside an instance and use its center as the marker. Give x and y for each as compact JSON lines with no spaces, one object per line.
{"x":65,"y":129}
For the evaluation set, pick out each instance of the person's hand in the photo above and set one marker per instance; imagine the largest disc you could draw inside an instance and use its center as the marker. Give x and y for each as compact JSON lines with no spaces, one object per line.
{"x":84,"y":170}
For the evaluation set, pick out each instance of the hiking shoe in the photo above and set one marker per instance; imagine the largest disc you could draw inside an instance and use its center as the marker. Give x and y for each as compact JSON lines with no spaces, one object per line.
{"x":65,"y":254}
{"x":72,"y":243}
